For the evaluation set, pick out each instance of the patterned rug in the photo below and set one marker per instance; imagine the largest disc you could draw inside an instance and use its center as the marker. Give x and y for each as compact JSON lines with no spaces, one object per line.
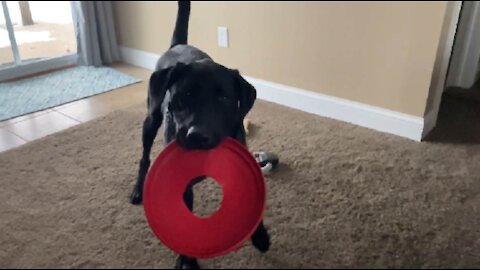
{"x":45,"y":91}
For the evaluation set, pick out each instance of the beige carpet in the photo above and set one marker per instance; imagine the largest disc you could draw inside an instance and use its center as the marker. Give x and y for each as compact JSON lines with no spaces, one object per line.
{"x":344,"y":196}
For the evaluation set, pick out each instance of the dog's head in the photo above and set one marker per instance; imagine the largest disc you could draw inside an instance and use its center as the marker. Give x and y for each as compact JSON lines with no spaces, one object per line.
{"x":207,"y":102}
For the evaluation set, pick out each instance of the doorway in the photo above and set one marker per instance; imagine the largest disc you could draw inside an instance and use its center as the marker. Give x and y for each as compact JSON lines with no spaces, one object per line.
{"x":464,"y":65}
{"x":455,"y":112}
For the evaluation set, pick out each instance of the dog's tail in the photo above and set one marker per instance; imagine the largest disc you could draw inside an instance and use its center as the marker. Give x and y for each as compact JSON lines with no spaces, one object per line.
{"x":180,"y":34}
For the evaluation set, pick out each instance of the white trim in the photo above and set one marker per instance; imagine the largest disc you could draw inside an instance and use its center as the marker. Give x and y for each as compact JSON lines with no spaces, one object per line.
{"x":139,"y":58}
{"x":430,"y":122}
{"x":327,"y":106}
{"x":466,"y":50}
{"x":32,"y":67}
{"x":442,"y":63}
{"x":340,"y":109}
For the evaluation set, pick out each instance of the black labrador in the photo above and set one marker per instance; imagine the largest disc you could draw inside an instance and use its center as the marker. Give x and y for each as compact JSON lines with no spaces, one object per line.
{"x":201,"y":102}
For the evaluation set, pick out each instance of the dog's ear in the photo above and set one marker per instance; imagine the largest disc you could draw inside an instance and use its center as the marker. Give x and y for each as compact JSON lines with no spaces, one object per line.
{"x":246,"y":94}
{"x":161,"y":80}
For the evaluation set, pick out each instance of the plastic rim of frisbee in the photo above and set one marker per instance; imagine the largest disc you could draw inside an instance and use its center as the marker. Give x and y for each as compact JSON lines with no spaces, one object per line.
{"x":244,"y":199}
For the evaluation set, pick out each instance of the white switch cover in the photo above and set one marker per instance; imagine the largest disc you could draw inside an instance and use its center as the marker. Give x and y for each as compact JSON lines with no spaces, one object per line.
{"x":222,"y":34}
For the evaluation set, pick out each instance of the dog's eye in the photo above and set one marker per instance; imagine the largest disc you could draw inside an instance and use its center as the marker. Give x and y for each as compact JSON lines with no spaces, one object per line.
{"x":221,"y":94}
{"x":176,"y":105}
{"x":223,"y":98}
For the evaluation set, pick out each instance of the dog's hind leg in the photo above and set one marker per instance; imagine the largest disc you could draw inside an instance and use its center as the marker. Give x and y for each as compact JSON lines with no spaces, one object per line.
{"x":150,"y":128}
{"x":261,"y":239}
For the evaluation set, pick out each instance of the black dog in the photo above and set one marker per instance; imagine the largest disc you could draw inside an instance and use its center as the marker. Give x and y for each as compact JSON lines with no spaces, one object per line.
{"x":201,"y":103}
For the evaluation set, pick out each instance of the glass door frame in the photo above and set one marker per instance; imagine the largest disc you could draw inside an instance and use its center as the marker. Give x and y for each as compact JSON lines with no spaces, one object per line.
{"x":20,"y":68}
{"x":11,"y":35}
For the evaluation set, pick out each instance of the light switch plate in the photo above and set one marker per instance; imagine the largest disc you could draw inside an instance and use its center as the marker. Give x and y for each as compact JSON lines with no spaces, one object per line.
{"x":222,"y":34}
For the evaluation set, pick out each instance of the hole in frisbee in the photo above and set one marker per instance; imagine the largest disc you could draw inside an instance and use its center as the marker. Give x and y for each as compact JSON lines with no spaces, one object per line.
{"x":203,"y":196}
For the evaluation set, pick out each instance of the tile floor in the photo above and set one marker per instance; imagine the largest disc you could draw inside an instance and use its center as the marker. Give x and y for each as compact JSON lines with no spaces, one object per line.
{"x":20,"y":130}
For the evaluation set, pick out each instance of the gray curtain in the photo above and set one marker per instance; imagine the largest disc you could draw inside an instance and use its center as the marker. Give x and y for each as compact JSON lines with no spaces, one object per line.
{"x":95,"y":29}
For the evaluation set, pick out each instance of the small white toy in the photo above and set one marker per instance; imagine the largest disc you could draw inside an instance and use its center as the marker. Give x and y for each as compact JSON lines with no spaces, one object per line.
{"x":267,"y":161}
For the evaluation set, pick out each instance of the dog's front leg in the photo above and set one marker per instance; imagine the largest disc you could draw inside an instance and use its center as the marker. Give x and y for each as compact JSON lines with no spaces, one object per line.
{"x":261,"y":239}
{"x":184,"y":262}
{"x":150,"y":128}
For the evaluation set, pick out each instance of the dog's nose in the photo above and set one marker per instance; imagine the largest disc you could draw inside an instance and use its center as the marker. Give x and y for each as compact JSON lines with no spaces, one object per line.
{"x":199,"y":138}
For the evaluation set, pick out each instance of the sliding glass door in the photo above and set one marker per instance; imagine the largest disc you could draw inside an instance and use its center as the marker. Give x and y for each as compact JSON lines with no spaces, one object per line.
{"x":6,"y":49}
{"x":35,"y":36}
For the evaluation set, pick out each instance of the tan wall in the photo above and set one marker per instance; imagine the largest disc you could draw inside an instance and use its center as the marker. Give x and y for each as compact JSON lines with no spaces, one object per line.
{"x":379,"y":53}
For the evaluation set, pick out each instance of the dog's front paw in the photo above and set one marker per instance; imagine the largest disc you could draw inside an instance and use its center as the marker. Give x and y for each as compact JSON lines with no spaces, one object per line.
{"x":136,"y":197}
{"x":186,"y":263}
{"x":261,"y":240}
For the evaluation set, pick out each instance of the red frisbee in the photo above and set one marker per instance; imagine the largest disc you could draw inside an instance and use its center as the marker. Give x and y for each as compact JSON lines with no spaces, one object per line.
{"x":241,"y":211}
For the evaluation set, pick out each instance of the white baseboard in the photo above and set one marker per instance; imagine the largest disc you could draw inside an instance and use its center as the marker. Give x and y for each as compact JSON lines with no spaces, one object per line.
{"x":139,"y":58}
{"x":340,"y":109}
{"x":376,"y":118}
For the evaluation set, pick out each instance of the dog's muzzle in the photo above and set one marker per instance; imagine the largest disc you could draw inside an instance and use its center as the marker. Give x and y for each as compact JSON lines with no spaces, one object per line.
{"x":199,"y":138}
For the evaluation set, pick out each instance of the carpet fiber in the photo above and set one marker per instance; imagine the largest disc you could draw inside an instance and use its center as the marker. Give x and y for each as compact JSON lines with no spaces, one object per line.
{"x":343,"y":196}
{"x":56,"y":88}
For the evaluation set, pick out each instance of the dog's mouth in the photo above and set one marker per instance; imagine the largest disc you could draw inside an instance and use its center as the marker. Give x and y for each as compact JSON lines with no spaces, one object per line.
{"x":194,"y":139}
